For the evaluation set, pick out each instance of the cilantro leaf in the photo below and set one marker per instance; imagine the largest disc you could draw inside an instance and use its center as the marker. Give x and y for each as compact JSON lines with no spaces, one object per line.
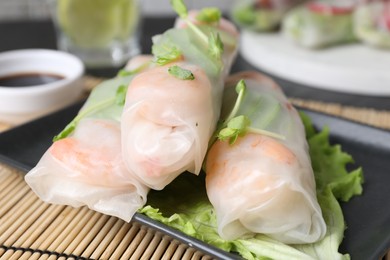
{"x":181,"y":73}
{"x":180,"y":8}
{"x":209,"y":15}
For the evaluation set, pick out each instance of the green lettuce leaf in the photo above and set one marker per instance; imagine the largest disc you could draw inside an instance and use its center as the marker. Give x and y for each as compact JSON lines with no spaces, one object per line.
{"x":329,"y":165}
{"x":184,"y":205}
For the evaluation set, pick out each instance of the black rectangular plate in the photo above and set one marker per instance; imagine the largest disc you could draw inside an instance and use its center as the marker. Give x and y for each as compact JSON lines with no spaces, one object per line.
{"x":367,"y":216}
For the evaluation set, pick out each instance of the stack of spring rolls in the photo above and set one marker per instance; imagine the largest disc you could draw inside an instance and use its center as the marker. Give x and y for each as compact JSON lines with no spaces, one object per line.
{"x":159,"y":119}
{"x":143,"y":128}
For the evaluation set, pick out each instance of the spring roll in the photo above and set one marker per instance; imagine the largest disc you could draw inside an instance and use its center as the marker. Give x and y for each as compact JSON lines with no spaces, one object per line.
{"x":168,"y":117}
{"x":261,"y":181}
{"x":262,"y":15}
{"x":319,"y":24}
{"x":372,"y":23}
{"x":85,"y":165}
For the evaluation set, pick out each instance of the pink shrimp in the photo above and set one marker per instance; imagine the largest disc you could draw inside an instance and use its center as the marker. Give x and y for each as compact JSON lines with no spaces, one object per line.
{"x":87,"y":169}
{"x":94,"y":155}
{"x":261,"y":184}
{"x":178,"y":112}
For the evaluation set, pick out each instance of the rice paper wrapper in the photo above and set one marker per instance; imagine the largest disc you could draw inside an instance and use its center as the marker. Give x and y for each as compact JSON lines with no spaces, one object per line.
{"x":166,"y":129}
{"x":87,"y":169}
{"x":85,"y":166}
{"x":262,"y":184}
{"x":167,"y":121}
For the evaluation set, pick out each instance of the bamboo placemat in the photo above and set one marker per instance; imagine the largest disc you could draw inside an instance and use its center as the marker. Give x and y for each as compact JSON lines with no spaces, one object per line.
{"x":32,"y":229}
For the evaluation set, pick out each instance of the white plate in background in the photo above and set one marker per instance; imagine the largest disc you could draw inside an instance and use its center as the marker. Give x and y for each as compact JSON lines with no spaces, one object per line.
{"x":351,"y":68}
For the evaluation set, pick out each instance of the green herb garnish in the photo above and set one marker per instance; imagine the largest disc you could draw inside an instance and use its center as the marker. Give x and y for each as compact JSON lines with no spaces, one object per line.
{"x":180,"y":8}
{"x":165,"y":53}
{"x":241,"y":90}
{"x":118,"y":99}
{"x":181,"y":73}
{"x":120,"y":96}
{"x":209,"y":15}
{"x":215,"y":46}
{"x":236,"y":126}
{"x":69,"y":128}
{"x":125,"y":72}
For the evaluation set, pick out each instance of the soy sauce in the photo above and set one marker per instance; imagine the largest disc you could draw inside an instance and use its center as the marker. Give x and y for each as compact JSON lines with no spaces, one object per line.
{"x":28,"y":79}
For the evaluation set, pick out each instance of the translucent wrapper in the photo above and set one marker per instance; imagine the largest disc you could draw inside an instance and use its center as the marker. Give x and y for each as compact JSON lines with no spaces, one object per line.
{"x":372,"y":23}
{"x":166,"y":124}
{"x":85,"y":166}
{"x":264,"y":184}
{"x":262,"y":15}
{"x":87,"y":169}
{"x":318,"y":24}
{"x":167,"y":121}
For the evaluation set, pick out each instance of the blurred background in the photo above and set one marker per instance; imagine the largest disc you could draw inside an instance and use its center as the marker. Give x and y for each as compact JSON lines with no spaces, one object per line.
{"x":37,"y":9}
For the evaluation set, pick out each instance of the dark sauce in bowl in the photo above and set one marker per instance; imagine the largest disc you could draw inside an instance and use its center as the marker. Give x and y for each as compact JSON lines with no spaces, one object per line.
{"x":28,"y":79}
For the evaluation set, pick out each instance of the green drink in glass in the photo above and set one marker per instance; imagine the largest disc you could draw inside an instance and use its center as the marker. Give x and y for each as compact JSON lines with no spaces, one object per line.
{"x":101,"y":32}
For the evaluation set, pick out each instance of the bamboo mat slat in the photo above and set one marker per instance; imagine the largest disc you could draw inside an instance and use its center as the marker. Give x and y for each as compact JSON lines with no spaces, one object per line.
{"x":369,"y":116}
{"x":32,"y":229}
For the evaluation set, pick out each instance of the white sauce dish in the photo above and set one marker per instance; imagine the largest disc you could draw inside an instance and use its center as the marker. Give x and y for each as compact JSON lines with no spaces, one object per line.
{"x":35,"y":82}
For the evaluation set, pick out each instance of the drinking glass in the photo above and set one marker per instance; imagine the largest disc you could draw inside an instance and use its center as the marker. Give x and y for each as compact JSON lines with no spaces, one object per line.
{"x":102,"y":33}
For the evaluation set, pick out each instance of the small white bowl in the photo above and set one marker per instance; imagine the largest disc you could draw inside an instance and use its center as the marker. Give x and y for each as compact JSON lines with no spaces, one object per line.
{"x":19,"y":104}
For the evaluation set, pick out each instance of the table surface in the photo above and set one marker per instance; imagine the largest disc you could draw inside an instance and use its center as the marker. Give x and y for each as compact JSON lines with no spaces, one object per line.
{"x":41,"y":34}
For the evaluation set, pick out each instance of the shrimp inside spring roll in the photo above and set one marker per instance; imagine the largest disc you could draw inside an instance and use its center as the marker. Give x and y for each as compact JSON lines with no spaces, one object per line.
{"x":166,"y":124}
{"x":168,"y":118}
{"x":87,"y":169}
{"x":264,"y":182}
